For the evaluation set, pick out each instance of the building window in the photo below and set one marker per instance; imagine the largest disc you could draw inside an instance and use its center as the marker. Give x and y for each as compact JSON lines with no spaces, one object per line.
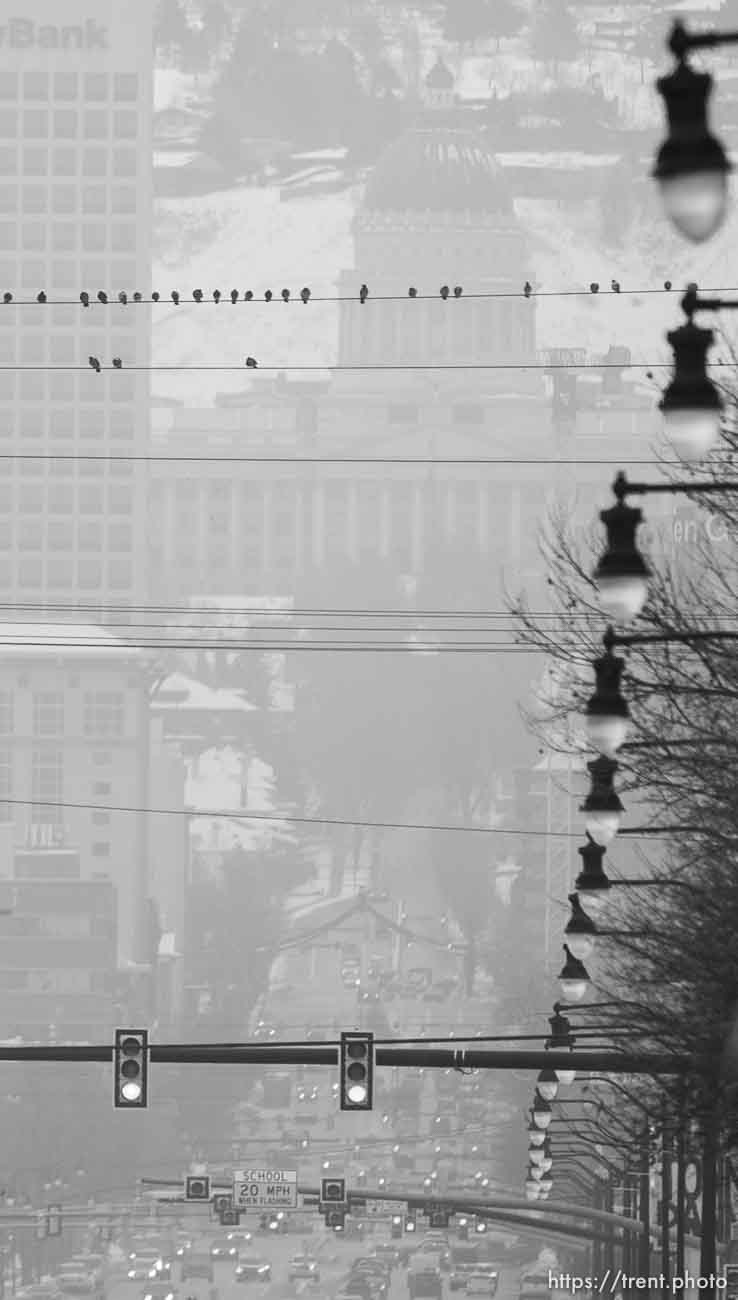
{"x":104,"y":713}
{"x":47,"y":787}
{"x":5,"y":713}
{"x":101,"y":849}
{"x":101,"y":819}
{"x":125,"y":87}
{"x":48,"y":713}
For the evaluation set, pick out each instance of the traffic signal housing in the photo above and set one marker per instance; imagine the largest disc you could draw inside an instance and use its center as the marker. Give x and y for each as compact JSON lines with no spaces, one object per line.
{"x":335,"y":1219}
{"x":333,"y":1191}
{"x":131,"y":1069}
{"x":396,"y":1228}
{"x":410,"y":1223}
{"x":357,"y":1071}
{"x":197,"y":1187}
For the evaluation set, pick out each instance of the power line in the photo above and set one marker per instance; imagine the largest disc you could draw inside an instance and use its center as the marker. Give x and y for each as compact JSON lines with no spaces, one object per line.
{"x":272,"y":611}
{"x":300,"y":819}
{"x":327,"y":460}
{"x":284,"y":366}
{"x":401,"y":647}
{"x":305,"y":295}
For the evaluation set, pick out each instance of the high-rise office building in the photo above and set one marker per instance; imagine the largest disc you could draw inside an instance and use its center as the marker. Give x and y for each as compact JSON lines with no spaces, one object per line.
{"x":76,"y":94}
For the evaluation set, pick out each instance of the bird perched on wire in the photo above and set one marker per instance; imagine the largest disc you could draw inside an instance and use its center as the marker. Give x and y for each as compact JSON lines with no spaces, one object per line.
{"x":216,"y":295}
{"x":95,"y":364}
{"x":412,"y":292}
{"x":458,"y":291}
{"x":248,"y":296}
{"x":197,"y":295}
{"x":41,"y":297}
{"x":102,"y":296}
{"x":527,"y":288}
{"x":444,"y":291}
{"x":667,"y":285}
{"x":594,"y":288}
{"x":285,"y":295}
{"x":155,"y":297}
{"x":234,"y":295}
{"x":175,"y":297}
{"x":84,"y":299}
{"x":615,"y":286}
{"x":251,"y":363}
{"x":363,"y":293}
{"x":137,"y":297}
{"x":123,"y":297}
{"x":305,"y":294}
{"x":7,"y":297}
{"x":117,"y":363}
{"x":268,"y":295}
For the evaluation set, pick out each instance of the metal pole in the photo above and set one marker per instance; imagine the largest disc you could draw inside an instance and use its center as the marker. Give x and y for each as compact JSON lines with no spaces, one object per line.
{"x":666,"y":1203}
{"x":644,"y":1245}
{"x":708,"y":1252}
{"x":681,"y":1164}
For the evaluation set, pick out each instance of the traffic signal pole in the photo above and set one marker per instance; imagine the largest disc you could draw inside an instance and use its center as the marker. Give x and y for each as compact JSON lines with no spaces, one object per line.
{"x":441,"y":1058}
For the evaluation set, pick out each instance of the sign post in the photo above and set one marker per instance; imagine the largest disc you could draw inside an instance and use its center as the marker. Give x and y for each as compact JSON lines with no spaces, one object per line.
{"x":264,"y":1189}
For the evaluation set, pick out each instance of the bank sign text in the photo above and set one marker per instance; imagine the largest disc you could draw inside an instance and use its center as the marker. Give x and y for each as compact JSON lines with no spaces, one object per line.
{"x":23,"y":34}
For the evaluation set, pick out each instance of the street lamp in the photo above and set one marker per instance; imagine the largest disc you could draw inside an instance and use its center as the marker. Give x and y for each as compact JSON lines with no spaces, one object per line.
{"x":602,"y":805}
{"x":691,"y":166}
{"x":691,"y":404}
{"x":580,"y":931}
{"x":561,"y":1038}
{"x":573,"y":978}
{"x":592,"y":884}
{"x":607,"y":715}
{"x":542,"y":1113}
{"x":532,"y":1189}
{"x":547,"y":1084}
{"x":622,"y":574}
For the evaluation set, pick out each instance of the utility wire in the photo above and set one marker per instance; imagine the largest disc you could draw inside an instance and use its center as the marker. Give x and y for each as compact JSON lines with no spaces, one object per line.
{"x":304,"y":611}
{"x":327,"y":460}
{"x":284,"y":367}
{"x":363,"y":296}
{"x":216,"y":814}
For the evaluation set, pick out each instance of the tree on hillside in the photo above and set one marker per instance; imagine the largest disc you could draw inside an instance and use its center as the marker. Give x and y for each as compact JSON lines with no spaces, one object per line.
{"x":170,"y":28}
{"x":554,"y":37}
{"x":468,"y":21}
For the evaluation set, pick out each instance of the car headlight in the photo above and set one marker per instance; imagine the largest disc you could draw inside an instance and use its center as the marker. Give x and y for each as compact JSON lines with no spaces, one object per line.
{"x":232,"y":1250}
{"x":131,"y":1272}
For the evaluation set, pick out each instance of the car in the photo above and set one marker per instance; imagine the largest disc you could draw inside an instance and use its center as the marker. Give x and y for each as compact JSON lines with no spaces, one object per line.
{"x":377,"y":1277}
{"x":386,"y":1251}
{"x":239,"y":1238}
{"x":303,"y":1266}
{"x":426,"y":1282}
{"x":359,"y":1286}
{"x":158,"y":1291}
{"x":79,"y":1284}
{"x":482,"y":1282}
{"x":148,"y":1266}
{"x":196,"y":1263}
{"x":252,"y":1268}
{"x":222,"y":1250}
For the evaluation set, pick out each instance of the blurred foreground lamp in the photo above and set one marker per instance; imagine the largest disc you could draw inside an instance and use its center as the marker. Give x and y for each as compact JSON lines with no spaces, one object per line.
{"x":691,"y":166}
{"x":592,"y":884}
{"x":545,"y":1186}
{"x":602,"y":805}
{"x":622,"y":574}
{"x":573,"y":978}
{"x":532,"y":1189}
{"x":580,"y":931}
{"x":607,"y":715}
{"x":691,"y":404}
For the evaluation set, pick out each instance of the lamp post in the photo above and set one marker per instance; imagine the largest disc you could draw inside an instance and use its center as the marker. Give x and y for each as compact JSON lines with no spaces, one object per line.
{"x":691,"y":166}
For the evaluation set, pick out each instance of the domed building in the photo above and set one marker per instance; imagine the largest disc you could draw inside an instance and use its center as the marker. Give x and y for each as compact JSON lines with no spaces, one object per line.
{"x":437,"y":208}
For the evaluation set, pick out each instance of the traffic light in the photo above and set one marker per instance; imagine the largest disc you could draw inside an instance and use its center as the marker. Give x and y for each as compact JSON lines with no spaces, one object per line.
{"x":396,"y":1229}
{"x":222,"y":1201}
{"x":482,"y":1225}
{"x":197,"y":1187}
{"x":409,"y":1224}
{"x":333,"y":1191}
{"x":463,"y":1230}
{"x":357,"y":1069}
{"x":229,"y":1218}
{"x":131,"y":1066}
{"x":335,"y":1219}
{"x":54,"y":1221}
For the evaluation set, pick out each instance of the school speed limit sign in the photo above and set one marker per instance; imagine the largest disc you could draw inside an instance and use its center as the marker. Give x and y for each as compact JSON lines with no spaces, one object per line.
{"x":265,"y":1189}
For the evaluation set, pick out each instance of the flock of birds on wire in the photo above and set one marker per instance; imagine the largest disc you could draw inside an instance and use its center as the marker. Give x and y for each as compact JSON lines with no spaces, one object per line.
{"x":248,"y":296}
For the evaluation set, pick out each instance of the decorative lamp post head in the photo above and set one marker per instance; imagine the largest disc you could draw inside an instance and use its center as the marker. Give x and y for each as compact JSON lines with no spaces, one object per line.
{"x":542,"y":1113}
{"x":538,"y":1155}
{"x":532,"y":1189}
{"x":691,"y":404}
{"x":545,"y":1186}
{"x":547,"y":1084}
{"x":561,"y":1035}
{"x":580,"y":931}
{"x":592,"y":884}
{"x":622,"y":573}
{"x":607,"y":715}
{"x":573,"y":978}
{"x":691,"y":166}
{"x":536,"y":1135}
{"x":602,"y":805}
